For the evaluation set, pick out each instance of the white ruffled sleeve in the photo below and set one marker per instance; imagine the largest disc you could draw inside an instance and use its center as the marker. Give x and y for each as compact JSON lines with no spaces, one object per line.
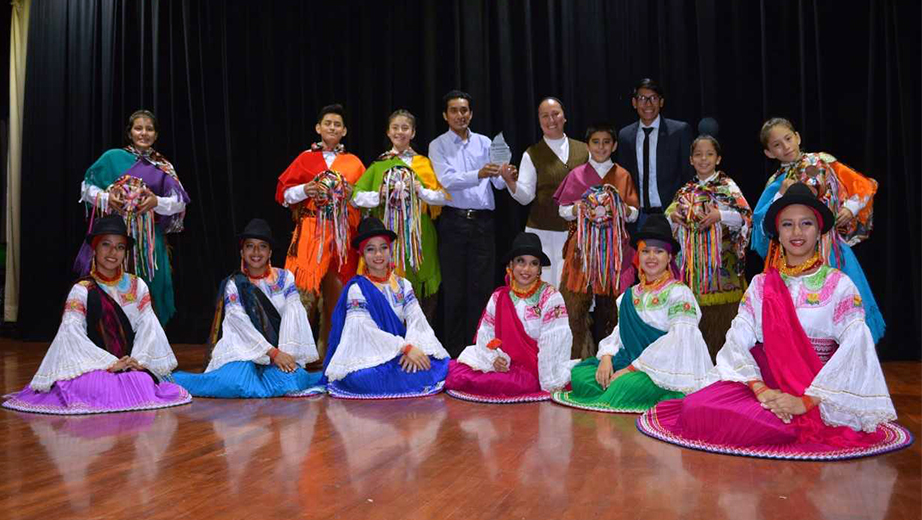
{"x":240,"y":341}
{"x":296,"y":337}
{"x":366,"y":199}
{"x":678,"y":360}
{"x":432,"y":197}
{"x":554,"y":345}
{"x":169,"y":205}
{"x":851,"y":386}
{"x":734,"y":361}
{"x":611,"y":344}
{"x":362,"y":344}
{"x":71,"y":353}
{"x":478,"y":356}
{"x":151,"y":348}
{"x":419,"y":332}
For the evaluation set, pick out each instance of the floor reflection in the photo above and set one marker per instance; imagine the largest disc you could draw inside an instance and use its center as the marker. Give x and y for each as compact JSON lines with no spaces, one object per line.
{"x":385,"y":441}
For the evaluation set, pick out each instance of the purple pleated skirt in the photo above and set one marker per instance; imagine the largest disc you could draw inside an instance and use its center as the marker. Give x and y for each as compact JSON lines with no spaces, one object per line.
{"x":100,"y":391}
{"x":515,"y":385}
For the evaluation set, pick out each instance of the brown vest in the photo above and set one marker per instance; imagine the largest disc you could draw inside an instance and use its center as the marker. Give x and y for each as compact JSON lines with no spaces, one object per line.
{"x":551,"y":172}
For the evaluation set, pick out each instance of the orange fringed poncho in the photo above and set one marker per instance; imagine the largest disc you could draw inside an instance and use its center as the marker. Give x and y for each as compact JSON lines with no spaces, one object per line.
{"x":302,"y":256}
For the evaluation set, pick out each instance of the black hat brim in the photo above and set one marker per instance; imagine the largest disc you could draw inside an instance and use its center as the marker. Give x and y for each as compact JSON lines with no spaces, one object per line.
{"x":91,"y":236}
{"x":647,"y":235}
{"x":268,"y":239}
{"x":526,"y":250}
{"x":788,"y":199}
{"x":380,"y":232}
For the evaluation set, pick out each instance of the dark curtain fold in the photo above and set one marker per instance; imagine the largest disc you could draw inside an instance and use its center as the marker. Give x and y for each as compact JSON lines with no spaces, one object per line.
{"x":237,"y":84}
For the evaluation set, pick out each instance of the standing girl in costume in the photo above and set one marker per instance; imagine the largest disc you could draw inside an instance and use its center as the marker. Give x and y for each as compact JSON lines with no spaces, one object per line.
{"x":597,"y":199}
{"x":138,"y":183}
{"x":522,"y":347}
{"x":406,"y":195}
{"x":381,"y":345}
{"x":847,"y":193}
{"x":110,"y":353}
{"x":260,"y":338}
{"x":798,"y":376}
{"x":656,"y":351}
{"x":712,"y":221}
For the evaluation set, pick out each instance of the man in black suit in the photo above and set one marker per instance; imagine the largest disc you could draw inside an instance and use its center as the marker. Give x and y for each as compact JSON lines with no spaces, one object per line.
{"x":665,"y":142}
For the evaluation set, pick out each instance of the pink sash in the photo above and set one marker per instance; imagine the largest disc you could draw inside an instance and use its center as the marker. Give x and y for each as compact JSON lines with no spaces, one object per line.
{"x":509,"y":329}
{"x":794,"y":363}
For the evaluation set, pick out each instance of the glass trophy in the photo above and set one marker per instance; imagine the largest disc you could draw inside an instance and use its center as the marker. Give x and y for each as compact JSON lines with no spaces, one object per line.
{"x":499,"y":150}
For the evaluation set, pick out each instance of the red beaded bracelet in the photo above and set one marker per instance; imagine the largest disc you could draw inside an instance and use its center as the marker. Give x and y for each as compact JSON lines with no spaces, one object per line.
{"x":494,"y":343}
{"x":406,"y":349}
{"x":631,"y":368}
{"x":273,"y":352}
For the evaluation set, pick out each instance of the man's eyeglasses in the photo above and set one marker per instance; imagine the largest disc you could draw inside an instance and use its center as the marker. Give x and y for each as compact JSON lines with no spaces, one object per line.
{"x":643,"y":99}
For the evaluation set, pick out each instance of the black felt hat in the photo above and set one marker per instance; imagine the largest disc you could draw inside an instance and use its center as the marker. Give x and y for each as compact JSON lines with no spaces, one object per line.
{"x":656,"y":227}
{"x":371,"y":227}
{"x":797,"y":193}
{"x":258,"y":229}
{"x":109,"y":225}
{"x":527,"y":244}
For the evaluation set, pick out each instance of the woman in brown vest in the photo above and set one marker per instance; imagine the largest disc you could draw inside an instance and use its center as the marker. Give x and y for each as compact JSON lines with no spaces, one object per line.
{"x":544,"y":166}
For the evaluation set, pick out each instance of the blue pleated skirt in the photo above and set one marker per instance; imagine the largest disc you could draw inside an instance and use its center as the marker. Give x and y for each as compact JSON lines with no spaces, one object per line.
{"x":245,"y":379}
{"x":389,"y":381}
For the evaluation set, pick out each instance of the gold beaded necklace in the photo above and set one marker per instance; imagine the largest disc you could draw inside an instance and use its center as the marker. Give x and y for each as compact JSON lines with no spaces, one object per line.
{"x":795,"y":270}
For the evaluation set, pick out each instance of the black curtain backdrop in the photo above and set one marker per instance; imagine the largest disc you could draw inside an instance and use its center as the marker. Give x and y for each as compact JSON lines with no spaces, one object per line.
{"x":237,"y":85}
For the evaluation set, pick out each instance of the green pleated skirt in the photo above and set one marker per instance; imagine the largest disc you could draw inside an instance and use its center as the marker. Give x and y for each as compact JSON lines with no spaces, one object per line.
{"x":633,"y":392}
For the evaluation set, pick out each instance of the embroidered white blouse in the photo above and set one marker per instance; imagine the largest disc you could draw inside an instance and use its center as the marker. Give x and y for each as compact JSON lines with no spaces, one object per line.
{"x":364,"y":345}
{"x":851,"y":385}
{"x":678,"y":360}
{"x":240,"y":341}
{"x":544,"y":318}
{"x":72,"y":354}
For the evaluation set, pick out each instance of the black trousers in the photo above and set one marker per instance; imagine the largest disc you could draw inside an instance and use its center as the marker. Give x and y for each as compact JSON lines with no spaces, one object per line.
{"x":467,"y":253}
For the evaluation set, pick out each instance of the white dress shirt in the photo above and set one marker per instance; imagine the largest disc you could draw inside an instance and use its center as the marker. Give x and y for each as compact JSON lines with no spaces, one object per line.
{"x":457,"y":163}
{"x":654,"y":137}
{"x":296,"y":194}
{"x":527,"y":182}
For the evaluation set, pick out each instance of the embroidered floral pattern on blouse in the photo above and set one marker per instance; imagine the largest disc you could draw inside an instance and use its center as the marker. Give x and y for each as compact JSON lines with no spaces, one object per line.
{"x":275,"y":282}
{"x":144,"y":303}
{"x":819,"y":287}
{"x":644,"y":300}
{"x":127,"y":289}
{"x":555,"y":312}
{"x":356,"y":306}
{"x":74,"y":305}
{"x":848,"y":307}
{"x":232,"y":299}
{"x":681,"y":309}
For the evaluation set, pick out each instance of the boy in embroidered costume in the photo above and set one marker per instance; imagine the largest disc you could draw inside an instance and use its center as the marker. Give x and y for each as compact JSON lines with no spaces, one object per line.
{"x":138,"y":183}
{"x":596,"y":199}
{"x":406,"y":195}
{"x":847,"y":193}
{"x":381,"y":345}
{"x":110,"y":353}
{"x":522,"y":347}
{"x":798,"y":376}
{"x":712,"y":221}
{"x":260,"y":338}
{"x":656,"y":351}
{"x":317,"y":187}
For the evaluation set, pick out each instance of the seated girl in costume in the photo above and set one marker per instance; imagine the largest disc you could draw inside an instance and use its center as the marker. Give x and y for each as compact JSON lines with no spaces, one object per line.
{"x":110,"y":353}
{"x":656,"y":351}
{"x":712,"y":221}
{"x":798,"y":376}
{"x":848,"y":194}
{"x":381,"y":345}
{"x":597,"y":199}
{"x":260,"y":335}
{"x":522,"y":347}
{"x":402,"y":190}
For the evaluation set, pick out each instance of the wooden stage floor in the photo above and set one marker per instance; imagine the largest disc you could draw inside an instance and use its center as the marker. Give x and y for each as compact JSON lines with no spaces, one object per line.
{"x":421,"y":458}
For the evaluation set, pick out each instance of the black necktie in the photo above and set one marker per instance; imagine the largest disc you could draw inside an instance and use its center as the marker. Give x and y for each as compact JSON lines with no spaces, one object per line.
{"x":646,"y":166}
